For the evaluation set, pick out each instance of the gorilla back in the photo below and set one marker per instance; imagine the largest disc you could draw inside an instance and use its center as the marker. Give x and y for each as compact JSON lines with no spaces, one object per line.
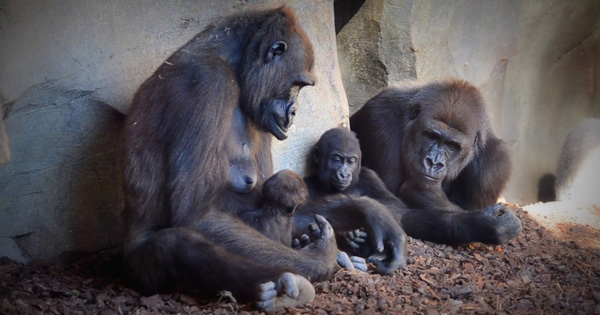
{"x":181,"y":211}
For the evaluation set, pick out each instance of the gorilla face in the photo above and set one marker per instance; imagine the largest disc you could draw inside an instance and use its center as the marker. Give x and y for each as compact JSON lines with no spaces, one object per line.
{"x":441,"y":137}
{"x":337,"y":156}
{"x":277,"y":67}
{"x":339,"y":168}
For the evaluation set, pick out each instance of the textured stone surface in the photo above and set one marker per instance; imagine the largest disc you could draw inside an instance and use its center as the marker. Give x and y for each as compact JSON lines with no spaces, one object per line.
{"x":4,"y":143}
{"x":536,"y":63}
{"x":61,"y":191}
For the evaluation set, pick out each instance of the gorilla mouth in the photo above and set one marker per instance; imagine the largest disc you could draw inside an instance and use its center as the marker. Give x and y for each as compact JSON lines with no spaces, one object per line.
{"x":340,"y":185}
{"x":430,"y":178}
{"x":282,"y":123}
{"x":279,"y":130}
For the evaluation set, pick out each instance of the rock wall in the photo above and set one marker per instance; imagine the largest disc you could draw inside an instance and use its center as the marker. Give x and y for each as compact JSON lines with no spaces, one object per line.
{"x":536,"y":63}
{"x":70,"y":68}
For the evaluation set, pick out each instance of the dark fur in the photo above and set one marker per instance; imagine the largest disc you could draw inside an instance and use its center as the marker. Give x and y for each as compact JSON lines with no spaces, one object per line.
{"x":361,"y":198}
{"x":182,"y":219}
{"x":442,"y":130}
{"x":283,"y":193}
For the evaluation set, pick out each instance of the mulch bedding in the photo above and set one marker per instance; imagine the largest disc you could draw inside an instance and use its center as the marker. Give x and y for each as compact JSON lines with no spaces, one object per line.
{"x":534,"y":273}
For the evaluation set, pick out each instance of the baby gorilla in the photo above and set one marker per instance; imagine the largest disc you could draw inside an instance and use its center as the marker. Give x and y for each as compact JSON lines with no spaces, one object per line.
{"x":283,"y":193}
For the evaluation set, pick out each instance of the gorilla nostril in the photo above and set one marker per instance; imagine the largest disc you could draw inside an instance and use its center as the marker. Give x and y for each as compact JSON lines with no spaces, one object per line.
{"x":428,"y":162}
{"x":249,"y":180}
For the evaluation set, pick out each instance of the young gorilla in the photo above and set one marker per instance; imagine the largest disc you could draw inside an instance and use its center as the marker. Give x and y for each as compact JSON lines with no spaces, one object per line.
{"x":433,"y":147}
{"x":283,"y":193}
{"x":340,"y":179}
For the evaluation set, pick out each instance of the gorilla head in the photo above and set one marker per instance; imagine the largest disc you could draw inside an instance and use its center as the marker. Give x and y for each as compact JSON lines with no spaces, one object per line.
{"x":337,"y":157}
{"x":284,"y":192}
{"x":445,"y":128}
{"x":276,"y":66}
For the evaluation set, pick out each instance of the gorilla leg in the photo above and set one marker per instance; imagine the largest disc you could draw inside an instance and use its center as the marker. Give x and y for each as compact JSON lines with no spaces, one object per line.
{"x":211,"y":258}
{"x":184,"y":257}
{"x":315,"y":262}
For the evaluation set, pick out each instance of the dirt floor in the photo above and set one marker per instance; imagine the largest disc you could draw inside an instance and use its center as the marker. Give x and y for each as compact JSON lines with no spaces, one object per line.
{"x":532,"y":274}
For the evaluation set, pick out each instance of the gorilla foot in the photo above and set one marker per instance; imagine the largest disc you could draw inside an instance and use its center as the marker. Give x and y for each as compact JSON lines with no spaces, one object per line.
{"x":351,"y":262}
{"x":505,"y":222}
{"x":321,"y":236}
{"x":288,"y":291}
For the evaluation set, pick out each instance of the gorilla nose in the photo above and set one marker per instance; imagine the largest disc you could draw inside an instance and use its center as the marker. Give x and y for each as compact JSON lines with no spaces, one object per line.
{"x":342,"y":176}
{"x":435,"y":164}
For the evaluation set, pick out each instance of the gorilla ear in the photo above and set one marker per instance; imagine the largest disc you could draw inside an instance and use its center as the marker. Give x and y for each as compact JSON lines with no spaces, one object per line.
{"x":415,"y":111}
{"x":314,"y":157}
{"x":277,"y":49}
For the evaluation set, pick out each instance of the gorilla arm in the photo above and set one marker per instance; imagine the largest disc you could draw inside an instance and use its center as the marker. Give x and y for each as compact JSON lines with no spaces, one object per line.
{"x":484,"y":178}
{"x":347,"y":213}
{"x":447,"y":224}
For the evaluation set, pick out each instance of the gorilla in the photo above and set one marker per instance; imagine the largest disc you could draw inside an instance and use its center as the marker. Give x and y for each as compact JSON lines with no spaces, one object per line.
{"x":433,"y":147}
{"x":341,"y":186}
{"x":200,"y":123}
{"x":283,"y":193}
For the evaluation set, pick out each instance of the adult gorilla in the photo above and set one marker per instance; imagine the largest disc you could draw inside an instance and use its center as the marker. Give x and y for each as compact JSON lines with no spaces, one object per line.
{"x":433,"y":147}
{"x":218,"y":98}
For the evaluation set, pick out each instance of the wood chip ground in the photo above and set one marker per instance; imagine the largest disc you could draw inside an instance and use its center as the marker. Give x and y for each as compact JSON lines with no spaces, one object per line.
{"x":533,"y":274}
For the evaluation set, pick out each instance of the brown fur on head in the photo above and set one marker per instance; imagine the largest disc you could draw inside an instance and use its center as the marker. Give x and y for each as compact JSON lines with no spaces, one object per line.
{"x":285,"y":191}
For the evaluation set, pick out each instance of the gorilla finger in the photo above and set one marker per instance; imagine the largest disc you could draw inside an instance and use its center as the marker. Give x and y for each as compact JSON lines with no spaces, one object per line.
{"x":362,"y":234}
{"x":313,"y":227}
{"x":359,"y":263}
{"x":326,"y":229}
{"x":376,"y":238}
{"x":304,"y":239}
{"x":296,"y":243}
{"x":359,"y":240}
{"x":320,"y":220}
{"x":266,"y":291}
{"x":357,"y":259}
{"x":378,"y":244}
{"x":288,"y":283}
{"x":344,"y":261}
{"x":353,"y":245}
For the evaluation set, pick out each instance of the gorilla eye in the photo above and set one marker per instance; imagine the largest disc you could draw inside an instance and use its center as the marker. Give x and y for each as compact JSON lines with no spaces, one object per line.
{"x":352,"y":160}
{"x":277,"y":49}
{"x":414,"y":112}
{"x":454,"y":146}
{"x":431,"y":135}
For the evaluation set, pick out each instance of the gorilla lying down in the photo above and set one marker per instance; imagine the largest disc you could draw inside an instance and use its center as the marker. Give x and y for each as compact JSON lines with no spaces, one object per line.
{"x":433,"y":147}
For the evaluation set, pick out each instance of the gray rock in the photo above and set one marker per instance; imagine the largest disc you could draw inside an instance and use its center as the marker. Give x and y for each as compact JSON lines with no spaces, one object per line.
{"x":62,"y":190}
